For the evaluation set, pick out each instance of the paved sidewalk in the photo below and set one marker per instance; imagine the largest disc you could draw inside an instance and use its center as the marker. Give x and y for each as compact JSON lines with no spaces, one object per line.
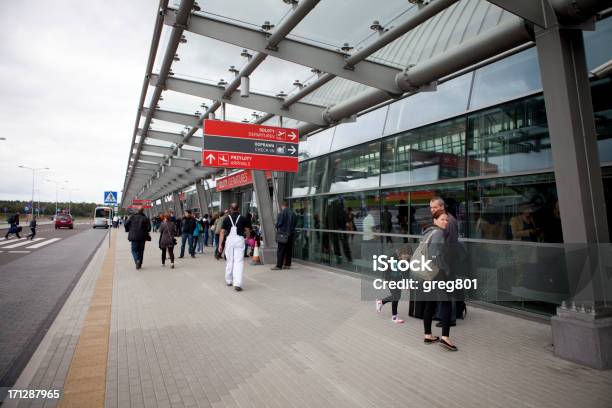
{"x":303,"y":338}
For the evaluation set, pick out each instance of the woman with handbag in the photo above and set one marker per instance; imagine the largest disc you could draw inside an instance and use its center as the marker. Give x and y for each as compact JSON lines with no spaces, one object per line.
{"x":167,"y":231}
{"x":435,"y":247}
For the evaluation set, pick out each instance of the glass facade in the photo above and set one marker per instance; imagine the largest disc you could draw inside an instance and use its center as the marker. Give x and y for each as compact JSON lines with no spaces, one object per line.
{"x":480,"y":142}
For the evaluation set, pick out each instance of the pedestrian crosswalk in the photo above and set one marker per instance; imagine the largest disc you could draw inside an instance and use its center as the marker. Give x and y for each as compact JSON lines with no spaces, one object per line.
{"x":23,"y":244}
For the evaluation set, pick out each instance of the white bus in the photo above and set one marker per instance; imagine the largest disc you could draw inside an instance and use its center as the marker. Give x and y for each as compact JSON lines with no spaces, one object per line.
{"x":103,"y":217}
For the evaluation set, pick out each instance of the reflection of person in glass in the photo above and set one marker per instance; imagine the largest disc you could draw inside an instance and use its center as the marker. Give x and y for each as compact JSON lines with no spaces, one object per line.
{"x":386,"y":223}
{"x":336,"y":220}
{"x":402,"y":218}
{"x":350,"y":222}
{"x":523,"y":226}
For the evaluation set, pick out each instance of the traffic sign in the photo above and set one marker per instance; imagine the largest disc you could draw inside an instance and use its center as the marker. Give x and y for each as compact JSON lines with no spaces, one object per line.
{"x":110,"y":197}
{"x":250,"y":146}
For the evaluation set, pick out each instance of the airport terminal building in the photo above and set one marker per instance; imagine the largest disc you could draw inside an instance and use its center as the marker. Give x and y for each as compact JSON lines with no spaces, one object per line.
{"x":503,"y":110}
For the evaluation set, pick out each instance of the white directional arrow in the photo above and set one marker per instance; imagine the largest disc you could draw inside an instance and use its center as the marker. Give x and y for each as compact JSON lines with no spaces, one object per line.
{"x":292,"y":136}
{"x":210,"y":158}
{"x":292,"y":149}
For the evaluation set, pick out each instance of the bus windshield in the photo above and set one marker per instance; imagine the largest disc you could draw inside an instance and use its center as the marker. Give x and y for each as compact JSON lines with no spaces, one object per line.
{"x":102,"y":213}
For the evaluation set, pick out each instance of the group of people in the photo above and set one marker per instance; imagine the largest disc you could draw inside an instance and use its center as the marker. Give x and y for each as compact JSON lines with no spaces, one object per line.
{"x":231,"y":233}
{"x":441,"y":240}
{"x":15,"y":228}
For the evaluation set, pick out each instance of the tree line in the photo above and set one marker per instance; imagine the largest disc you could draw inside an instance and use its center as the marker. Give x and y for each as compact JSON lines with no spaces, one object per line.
{"x":47,"y":208}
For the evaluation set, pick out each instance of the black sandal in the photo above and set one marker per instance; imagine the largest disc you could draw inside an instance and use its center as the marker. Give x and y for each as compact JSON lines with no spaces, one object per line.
{"x":431,"y":341}
{"x":448,"y":346}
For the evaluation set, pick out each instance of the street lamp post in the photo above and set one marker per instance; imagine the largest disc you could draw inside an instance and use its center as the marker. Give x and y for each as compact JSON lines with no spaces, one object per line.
{"x":33,"y":178}
{"x":57,"y":183}
{"x":70,"y":190}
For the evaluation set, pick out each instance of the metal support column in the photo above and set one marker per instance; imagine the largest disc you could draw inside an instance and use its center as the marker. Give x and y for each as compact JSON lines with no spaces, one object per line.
{"x":164,"y":206}
{"x":202,"y":198}
{"x":266,"y":219}
{"x":578,"y":335}
{"x":177,"y":205}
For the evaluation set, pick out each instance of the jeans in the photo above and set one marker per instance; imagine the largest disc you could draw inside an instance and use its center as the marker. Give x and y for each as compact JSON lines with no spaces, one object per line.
{"x":184,"y":239}
{"x":206,"y":237}
{"x":138,"y":250}
{"x":200,"y":243}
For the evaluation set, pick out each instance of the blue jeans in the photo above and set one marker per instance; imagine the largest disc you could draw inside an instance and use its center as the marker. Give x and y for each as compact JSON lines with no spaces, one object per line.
{"x":200,"y":242}
{"x":138,"y":250}
{"x":184,"y":239}
{"x":206,"y":237}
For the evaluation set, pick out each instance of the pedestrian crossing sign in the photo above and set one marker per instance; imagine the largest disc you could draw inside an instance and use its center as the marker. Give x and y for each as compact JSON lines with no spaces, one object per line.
{"x":110,"y":197}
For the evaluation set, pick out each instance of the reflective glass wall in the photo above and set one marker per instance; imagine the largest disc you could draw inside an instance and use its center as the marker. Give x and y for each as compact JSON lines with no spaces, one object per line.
{"x":480,"y":142}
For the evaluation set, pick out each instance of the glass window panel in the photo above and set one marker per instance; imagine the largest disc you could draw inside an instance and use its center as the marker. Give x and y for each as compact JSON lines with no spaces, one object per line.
{"x":244,"y":12}
{"x":515,"y":208}
{"x":406,"y":210}
{"x":274,"y":75}
{"x":310,"y":177}
{"x":449,"y":100}
{"x":355,"y":168}
{"x":367,"y":127}
{"x":332,"y":23}
{"x":509,"y":78}
{"x":597,"y":44}
{"x":318,"y":144}
{"x":602,"y":107}
{"x":511,"y":137}
{"x":430,"y":153}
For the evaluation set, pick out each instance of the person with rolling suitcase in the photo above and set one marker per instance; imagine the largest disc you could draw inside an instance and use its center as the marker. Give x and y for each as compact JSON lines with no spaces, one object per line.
{"x":14,"y":227}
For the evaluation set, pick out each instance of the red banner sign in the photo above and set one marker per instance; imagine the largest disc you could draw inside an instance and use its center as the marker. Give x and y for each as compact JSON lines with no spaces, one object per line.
{"x":242,"y":178}
{"x":250,"y":146}
{"x":135,"y":206}
{"x":137,"y":201}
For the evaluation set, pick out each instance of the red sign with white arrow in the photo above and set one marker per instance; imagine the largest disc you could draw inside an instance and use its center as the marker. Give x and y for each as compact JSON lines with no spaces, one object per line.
{"x":250,"y":146}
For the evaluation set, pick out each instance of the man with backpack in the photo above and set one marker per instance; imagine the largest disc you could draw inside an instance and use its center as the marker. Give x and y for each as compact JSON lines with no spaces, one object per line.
{"x":14,"y":227}
{"x":234,"y":230}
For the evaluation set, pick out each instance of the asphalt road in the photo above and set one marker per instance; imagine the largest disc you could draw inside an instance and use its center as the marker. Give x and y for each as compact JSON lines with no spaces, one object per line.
{"x":34,"y":284}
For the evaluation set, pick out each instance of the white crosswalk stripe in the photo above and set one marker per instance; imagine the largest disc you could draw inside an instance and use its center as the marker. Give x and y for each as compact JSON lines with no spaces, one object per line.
{"x":23,"y":243}
{"x":9,"y":241}
{"x":42,"y":244}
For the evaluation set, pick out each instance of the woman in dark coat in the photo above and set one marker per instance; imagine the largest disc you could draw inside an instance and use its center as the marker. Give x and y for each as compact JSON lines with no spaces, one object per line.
{"x":167,"y":232}
{"x":438,"y":253}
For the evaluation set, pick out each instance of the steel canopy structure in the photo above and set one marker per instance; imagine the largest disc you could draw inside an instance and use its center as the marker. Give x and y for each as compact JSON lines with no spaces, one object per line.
{"x":160,"y":158}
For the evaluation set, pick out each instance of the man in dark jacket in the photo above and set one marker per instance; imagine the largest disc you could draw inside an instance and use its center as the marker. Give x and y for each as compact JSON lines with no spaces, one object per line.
{"x":138,"y":227}
{"x":285,"y":227}
{"x":188,"y":225}
{"x":13,"y":226}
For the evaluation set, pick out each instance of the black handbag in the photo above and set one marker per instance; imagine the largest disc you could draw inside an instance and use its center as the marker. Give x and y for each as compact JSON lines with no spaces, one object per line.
{"x":282,"y":237}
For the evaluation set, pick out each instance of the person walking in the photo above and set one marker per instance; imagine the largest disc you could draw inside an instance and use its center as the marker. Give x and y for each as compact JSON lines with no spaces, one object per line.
{"x":233,"y":232}
{"x":14,"y":227}
{"x":32,"y":233}
{"x":220,"y":242}
{"x":188,"y":226}
{"x":285,"y":234}
{"x":166,"y":239}
{"x":451,"y":237}
{"x":395,"y":293}
{"x":206,"y":230}
{"x":138,"y":227}
{"x":198,"y":236}
{"x":436,"y":251}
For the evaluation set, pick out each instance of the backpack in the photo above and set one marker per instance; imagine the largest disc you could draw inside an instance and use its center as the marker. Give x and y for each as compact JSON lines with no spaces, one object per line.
{"x":11,"y":219}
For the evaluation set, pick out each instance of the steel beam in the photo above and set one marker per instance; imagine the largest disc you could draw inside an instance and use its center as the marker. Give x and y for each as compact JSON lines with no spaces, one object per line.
{"x":368,"y":73}
{"x":150,"y":158}
{"x":299,"y":111}
{"x":173,"y":117}
{"x":267,"y":221}
{"x":577,"y":336}
{"x":530,"y":10}
{"x":182,"y":16}
{"x":203,"y":202}
{"x":494,"y":41}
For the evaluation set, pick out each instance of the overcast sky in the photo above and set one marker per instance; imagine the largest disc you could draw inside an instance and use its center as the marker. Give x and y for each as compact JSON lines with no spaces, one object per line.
{"x":72,"y":71}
